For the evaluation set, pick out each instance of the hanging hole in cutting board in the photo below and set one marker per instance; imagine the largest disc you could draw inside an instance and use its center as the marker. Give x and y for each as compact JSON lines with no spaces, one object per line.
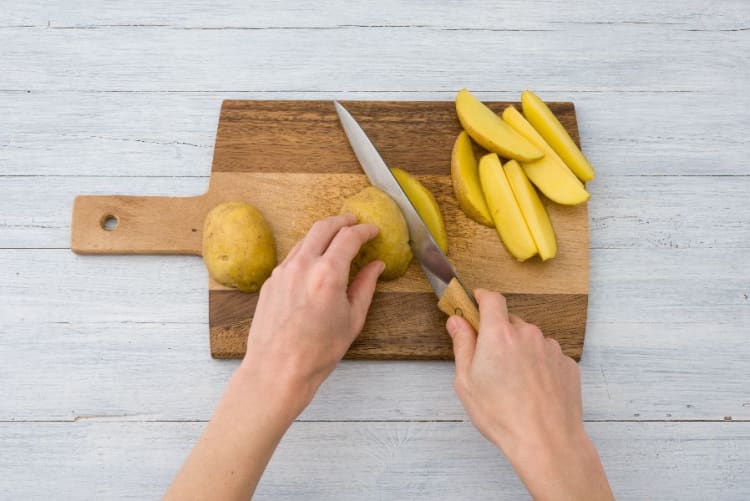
{"x":109,"y":222}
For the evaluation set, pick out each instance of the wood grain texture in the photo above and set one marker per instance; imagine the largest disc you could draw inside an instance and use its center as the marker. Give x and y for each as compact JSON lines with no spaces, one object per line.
{"x":293,"y":138}
{"x":473,"y":15}
{"x":123,"y":97}
{"x":379,"y":58}
{"x":291,"y":160}
{"x":368,"y":461}
{"x":665,"y":212}
{"x":457,"y":301}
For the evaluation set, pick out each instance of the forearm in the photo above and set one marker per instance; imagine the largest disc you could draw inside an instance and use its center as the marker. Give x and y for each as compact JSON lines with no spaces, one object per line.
{"x":229,"y":459}
{"x":564,"y":471}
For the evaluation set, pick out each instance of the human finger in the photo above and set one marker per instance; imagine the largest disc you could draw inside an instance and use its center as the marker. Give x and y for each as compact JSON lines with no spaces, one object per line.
{"x":348,"y":241}
{"x":361,"y":291}
{"x":293,"y":252}
{"x":322,"y":232}
{"x":464,"y":344}
{"x":492,"y":306}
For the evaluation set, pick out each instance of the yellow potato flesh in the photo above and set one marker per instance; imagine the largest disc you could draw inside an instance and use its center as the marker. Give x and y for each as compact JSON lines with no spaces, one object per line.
{"x":487,"y":129}
{"x":238,"y":247}
{"x":533,"y":210}
{"x":549,"y":174}
{"x":425,"y":204}
{"x":504,"y":209}
{"x":550,"y":128}
{"x":465,"y":177}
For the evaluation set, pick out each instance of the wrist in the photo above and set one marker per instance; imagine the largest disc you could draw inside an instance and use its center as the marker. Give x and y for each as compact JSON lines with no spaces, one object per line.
{"x":285,"y":395}
{"x":554,"y":466}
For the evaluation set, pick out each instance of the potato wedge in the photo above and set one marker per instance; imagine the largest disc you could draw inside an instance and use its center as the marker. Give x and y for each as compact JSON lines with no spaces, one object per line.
{"x":465,"y":177}
{"x":533,"y":210}
{"x":487,"y":129}
{"x":504,"y":209}
{"x":549,"y":174}
{"x":550,"y":128}
{"x":425,"y":204}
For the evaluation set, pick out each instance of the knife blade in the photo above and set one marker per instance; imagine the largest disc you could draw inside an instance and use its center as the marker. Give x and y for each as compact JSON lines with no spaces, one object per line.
{"x":453,"y":299}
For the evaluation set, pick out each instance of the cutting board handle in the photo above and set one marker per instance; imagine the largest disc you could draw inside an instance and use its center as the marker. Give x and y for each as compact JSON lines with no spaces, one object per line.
{"x":137,"y":225}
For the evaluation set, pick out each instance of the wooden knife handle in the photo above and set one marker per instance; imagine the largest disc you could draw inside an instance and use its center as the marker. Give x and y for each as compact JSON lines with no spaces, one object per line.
{"x":456,"y":301}
{"x":137,"y":225}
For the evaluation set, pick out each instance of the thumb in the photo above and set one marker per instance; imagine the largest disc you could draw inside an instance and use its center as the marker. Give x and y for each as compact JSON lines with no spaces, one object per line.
{"x":464,"y":342}
{"x":361,"y":291}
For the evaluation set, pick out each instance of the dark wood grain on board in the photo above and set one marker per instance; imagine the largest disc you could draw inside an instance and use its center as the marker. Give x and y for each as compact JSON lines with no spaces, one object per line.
{"x":305,"y":136}
{"x":417,"y":330}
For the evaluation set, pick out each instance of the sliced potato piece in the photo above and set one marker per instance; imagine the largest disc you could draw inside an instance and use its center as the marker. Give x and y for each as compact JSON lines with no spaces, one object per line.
{"x":425,"y":204}
{"x":465,"y":177}
{"x":533,"y":210}
{"x":504,"y":209}
{"x":550,"y":128}
{"x":487,"y":129}
{"x":549,"y":174}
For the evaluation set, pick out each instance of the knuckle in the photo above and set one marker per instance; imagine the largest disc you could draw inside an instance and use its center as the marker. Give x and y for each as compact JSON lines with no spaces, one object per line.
{"x":295,"y":266}
{"x":554,"y":344}
{"x":319,"y":225}
{"x":324,"y":275}
{"x":532,"y":331}
{"x":348,"y":234}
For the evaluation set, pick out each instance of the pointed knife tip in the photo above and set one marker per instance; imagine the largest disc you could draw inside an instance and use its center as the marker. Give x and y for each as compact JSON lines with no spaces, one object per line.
{"x":339,"y":107}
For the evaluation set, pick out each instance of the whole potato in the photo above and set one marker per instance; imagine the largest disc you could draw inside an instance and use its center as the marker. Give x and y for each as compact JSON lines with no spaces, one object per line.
{"x":238,"y":247}
{"x":391,"y":246}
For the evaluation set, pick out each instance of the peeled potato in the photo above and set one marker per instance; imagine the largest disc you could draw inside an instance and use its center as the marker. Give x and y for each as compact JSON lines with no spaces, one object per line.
{"x":533,"y":210}
{"x":465,"y":177}
{"x":487,"y":129}
{"x":238,"y":247}
{"x":549,"y":174}
{"x":372,"y":206}
{"x":550,"y":128}
{"x":509,"y":221}
{"x":425,"y":204}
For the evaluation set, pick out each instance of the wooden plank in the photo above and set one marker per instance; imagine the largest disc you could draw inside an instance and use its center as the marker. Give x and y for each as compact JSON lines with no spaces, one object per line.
{"x":172,"y":134}
{"x":629,"y":371}
{"x":659,"y":346}
{"x":684,"y":285}
{"x":363,"y":461}
{"x":650,"y":369}
{"x":417,"y":336}
{"x":306,"y":136}
{"x":167,"y":59}
{"x":663,"y":211}
{"x":473,"y":14}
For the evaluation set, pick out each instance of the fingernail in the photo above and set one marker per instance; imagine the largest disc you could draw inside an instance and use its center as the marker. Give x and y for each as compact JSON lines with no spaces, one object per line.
{"x":381,"y":267}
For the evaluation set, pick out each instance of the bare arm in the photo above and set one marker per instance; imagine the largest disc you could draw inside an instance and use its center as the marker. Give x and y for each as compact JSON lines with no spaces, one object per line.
{"x":305,"y":321}
{"x":524,"y":395}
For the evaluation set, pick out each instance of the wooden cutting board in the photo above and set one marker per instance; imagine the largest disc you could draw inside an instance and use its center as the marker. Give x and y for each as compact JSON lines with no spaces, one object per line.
{"x":292,"y":161}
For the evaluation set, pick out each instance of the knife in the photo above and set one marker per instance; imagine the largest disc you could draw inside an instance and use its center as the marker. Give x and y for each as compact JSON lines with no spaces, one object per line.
{"x":453,"y":299}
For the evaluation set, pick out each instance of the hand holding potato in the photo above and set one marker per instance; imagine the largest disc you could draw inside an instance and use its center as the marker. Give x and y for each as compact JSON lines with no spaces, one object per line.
{"x":306,"y":317}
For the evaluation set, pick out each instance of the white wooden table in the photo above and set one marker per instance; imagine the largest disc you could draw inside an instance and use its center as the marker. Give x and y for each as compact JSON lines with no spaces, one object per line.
{"x":105,"y":376}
